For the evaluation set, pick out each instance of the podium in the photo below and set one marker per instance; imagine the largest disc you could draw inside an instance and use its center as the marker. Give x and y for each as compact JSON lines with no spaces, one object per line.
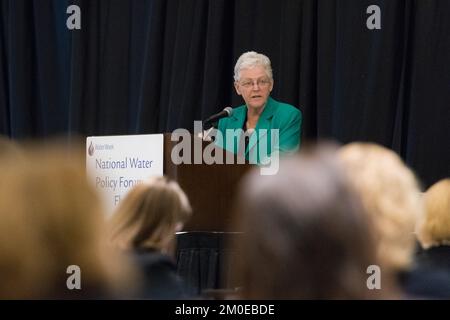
{"x":210,"y":188}
{"x":203,"y":248}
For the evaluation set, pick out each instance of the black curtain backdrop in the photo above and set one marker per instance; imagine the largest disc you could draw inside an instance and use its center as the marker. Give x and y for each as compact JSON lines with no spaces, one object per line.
{"x":151,"y":66}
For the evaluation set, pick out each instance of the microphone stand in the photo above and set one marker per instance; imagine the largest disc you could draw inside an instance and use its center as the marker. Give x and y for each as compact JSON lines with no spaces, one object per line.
{"x":206,"y":134}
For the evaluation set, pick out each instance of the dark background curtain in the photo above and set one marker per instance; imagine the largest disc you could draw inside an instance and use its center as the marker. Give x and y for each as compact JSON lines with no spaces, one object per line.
{"x":150,"y":66}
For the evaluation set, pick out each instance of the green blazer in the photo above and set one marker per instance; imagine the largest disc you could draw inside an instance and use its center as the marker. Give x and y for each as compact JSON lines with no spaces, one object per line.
{"x":262,"y":143}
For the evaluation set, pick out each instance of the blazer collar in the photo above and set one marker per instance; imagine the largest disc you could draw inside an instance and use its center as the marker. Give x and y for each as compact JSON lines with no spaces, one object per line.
{"x":264,"y":122}
{"x":240,"y":114}
{"x":237,"y":118}
{"x":266,"y":115}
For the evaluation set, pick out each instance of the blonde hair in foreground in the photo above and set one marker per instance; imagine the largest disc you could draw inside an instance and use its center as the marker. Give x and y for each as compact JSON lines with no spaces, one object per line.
{"x":434,"y":227}
{"x":50,"y":218}
{"x":149,"y":215}
{"x":391,"y":196}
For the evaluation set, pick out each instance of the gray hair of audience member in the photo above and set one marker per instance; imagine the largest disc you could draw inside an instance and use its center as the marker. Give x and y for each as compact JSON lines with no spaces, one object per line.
{"x":249,"y":60}
{"x":305,"y":236}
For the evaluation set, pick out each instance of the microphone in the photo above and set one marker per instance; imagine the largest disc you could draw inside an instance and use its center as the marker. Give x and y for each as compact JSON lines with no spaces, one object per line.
{"x":228,"y":111}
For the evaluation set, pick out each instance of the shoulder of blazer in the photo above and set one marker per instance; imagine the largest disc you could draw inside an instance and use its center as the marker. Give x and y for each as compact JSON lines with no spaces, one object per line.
{"x":283,"y":112}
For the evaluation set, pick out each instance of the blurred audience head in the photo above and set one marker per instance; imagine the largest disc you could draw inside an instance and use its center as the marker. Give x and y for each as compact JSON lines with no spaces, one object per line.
{"x":50,"y":219}
{"x":433,"y":228}
{"x":305,"y":235}
{"x":9,"y":149}
{"x":150,"y":215}
{"x":391,"y":196}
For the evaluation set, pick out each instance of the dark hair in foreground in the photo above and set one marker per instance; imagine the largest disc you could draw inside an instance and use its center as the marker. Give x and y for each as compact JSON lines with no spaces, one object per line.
{"x":305,"y":235}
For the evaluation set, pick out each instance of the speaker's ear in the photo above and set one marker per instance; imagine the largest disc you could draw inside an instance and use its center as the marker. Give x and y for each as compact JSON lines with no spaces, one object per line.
{"x":236,"y":87}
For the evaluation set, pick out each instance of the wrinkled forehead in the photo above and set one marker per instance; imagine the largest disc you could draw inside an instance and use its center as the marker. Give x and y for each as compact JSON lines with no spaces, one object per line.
{"x":253,"y":72}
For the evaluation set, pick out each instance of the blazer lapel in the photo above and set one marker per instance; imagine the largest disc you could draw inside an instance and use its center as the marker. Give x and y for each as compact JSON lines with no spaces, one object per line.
{"x":264,"y":123}
{"x":236,"y":121}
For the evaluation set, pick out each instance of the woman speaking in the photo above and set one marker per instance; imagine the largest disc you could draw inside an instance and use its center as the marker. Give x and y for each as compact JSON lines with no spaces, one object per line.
{"x":262,"y":125}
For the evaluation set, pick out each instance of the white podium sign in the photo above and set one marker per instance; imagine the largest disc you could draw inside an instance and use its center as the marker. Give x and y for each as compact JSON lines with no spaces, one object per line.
{"x":117,"y":163}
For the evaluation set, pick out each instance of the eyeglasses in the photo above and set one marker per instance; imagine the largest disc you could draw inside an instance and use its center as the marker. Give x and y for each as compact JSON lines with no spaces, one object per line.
{"x":262,"y":83}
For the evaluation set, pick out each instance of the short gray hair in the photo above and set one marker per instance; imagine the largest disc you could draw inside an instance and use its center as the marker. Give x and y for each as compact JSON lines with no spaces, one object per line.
{"x":249,"y":60}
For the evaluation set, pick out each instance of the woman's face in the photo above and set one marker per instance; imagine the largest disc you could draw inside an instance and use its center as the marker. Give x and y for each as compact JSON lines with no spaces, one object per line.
{"x":254,"y":86}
